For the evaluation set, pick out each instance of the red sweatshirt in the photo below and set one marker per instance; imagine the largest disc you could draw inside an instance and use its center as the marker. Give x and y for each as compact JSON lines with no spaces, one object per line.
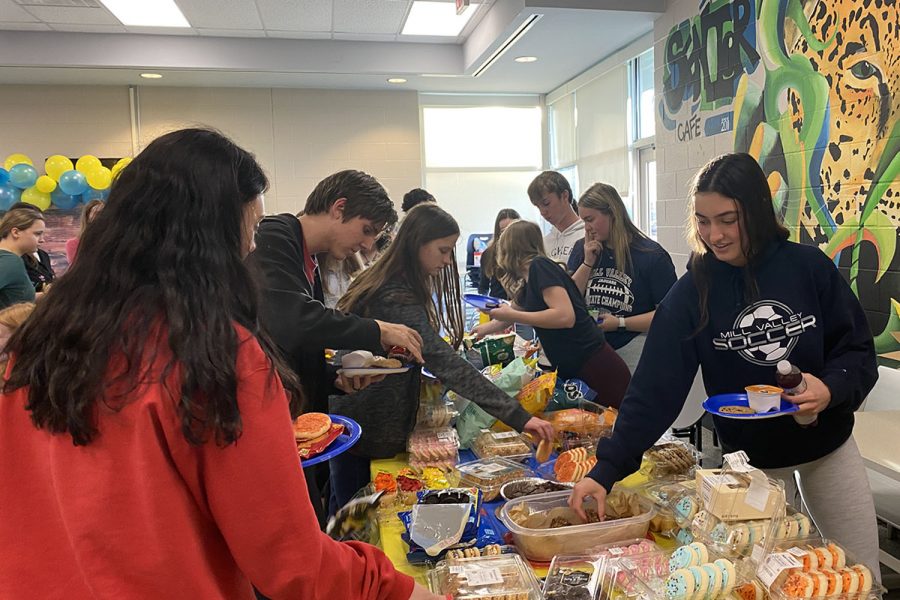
{"x":140,"y":513}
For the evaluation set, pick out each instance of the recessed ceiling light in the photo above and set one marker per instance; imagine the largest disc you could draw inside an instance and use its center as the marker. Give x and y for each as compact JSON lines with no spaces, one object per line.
{"x":526,"y":59}
{"x":396,"y":80}
{"x":151,"y":75}
{"x":436,"y":18}
{"x":147,"y":13}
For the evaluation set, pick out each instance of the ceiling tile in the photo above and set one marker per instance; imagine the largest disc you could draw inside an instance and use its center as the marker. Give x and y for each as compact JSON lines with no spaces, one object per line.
{"x":249,"y":33}
{"x":221,"y":14}
{"x":299,"y":15}
{"x":80,"y":28}
{"x":24,"y":26}
{"x":299,"y":35}
{"x":10,"y":12}
{"x":73,"y":14}
{"x":365,"y":37}
{"x":161,"y":30}
{"x":369,"y":16}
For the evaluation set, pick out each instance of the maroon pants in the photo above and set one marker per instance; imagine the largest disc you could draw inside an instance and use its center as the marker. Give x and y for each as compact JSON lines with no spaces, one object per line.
{"x":607,"y":374}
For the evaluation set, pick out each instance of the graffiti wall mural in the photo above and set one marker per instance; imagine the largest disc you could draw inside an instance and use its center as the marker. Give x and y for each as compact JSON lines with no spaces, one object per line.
{"x":811,"y":88}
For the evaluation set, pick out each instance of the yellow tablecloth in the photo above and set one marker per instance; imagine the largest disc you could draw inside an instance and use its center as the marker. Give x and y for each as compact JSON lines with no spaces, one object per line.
{"x":396,"y":548}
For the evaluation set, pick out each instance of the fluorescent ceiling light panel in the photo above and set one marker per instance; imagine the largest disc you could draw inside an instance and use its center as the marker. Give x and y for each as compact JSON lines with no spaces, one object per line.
{"x":436,"y":18}
{"x":147,"y":13}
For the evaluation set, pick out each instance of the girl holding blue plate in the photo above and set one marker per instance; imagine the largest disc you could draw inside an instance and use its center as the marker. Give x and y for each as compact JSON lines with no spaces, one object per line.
{"x":751,"y":298}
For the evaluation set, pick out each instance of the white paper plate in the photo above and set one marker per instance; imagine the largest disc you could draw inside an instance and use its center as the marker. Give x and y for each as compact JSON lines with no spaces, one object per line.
{"x":363,"y":371}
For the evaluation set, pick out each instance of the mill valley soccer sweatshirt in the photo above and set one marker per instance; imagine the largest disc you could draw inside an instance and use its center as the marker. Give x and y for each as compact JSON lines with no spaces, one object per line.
{"x":805,"y":313}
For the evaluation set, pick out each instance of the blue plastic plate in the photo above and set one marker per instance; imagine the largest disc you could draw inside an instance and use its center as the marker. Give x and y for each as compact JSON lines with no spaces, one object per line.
{"x":714,"y":403}
{"x":482,"y":302}
{"x":345,"y":441}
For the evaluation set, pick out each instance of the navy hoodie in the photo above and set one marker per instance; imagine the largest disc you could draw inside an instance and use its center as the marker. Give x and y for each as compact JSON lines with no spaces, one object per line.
{"x":805,"y":313}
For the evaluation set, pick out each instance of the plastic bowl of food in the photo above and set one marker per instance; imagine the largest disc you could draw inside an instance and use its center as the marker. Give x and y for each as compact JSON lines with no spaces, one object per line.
{"x":763,"y":398}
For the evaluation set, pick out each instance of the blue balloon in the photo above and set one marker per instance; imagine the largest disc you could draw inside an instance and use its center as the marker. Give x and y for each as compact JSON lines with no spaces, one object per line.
{"x":23,"y":176}
{"x":73,"y":182}
{"x":9,"y":195}
{"x":92,"y":194}
{"x":62,"y":200}
{"x":4,"y":176}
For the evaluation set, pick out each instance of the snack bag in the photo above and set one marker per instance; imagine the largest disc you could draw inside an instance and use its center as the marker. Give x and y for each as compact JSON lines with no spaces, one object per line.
{"x":535,"y":395}
{"x":471,"y":420}
{"x":496,"y":349}
{"x":569,"y":392}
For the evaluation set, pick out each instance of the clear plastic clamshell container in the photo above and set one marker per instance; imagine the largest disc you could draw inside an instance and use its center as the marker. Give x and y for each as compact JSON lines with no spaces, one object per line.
{"x":818,"y":568}
{"x":506,"y":444}
{"x":433,"y":448}
{"x":690,"y":572}
{"x":741,"y":538}
{"x":489,"y":475}
{"x":670,"y":457}
{"x":504,"y":577}
{"x":665,"y":495}
{"x":543,"y":525}
{"x":573,"y":577}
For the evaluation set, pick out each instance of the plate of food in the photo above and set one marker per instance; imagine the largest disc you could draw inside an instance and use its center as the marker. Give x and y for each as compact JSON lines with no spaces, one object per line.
{"x":320,"y":436}
{"x":360,"y":363}
{"x":737,"y":406}
{"x":482,"y":302}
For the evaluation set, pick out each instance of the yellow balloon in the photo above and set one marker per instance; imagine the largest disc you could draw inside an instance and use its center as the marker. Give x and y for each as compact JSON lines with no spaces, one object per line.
{"x":121,"y":164}
{"x":16,"y":159}
{"x":87,"y":163}
{"x":45,"y":184}
{"x":36,"y":197}
{"x":99,"y":178}
{"x":56,"y":165}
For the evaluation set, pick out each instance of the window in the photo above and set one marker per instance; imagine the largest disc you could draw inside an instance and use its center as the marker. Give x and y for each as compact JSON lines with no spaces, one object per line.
{"x":643,"y":102}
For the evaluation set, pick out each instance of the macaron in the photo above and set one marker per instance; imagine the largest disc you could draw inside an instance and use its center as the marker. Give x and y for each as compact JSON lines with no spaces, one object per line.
{"x":701,"y":581}
{"x":715,"y":580}
{"x":682,"y":558}
{"x":680,"y":585}
{"x":685,"y":510}
{"x":701,"y":553}
{"x":729,"y":576}
{"x":838,"y":555}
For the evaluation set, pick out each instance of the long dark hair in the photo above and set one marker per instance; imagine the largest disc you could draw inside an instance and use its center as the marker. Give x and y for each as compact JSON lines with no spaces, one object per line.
{"x":489,"y":256}
{"x":737,"y":176}
{"x":159,"y":276}
{"x":438,"y":294}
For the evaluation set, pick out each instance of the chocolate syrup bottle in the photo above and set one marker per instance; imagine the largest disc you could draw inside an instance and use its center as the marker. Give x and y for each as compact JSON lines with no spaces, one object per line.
{"x":790,"y":379}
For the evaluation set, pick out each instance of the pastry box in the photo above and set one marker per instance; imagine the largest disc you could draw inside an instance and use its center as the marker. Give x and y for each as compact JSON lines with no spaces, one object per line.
{"x":543,"y":525}
{"x":504,"y":577}
{"x":507,"y":444}
{"x":489,"y":475}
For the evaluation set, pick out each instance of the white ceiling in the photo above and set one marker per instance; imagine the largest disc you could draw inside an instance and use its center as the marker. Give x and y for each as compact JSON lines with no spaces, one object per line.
{"x":354,"y":44}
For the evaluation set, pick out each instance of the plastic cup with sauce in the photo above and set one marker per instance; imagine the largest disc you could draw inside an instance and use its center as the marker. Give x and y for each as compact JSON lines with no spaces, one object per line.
{"x":764,"y":398}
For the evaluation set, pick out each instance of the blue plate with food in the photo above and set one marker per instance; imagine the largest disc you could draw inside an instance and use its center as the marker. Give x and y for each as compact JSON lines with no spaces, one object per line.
{"x":737,"y":406}
{"x":483,"y":302}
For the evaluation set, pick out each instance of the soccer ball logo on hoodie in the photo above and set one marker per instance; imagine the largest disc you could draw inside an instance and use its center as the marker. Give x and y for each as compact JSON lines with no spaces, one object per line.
{"x":765,"y":332}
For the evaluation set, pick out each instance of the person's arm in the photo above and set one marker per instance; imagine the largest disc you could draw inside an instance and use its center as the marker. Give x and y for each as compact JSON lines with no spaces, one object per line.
{"x":639,"y":323}
{"x":559,"y":314}
{"x":256,"y":493}
{"x":851,"y":369}
{"x":661,"y":278}
{"x":456,"y":373}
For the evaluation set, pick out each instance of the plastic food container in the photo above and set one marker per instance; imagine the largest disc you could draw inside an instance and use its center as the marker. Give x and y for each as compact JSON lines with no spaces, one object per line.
{"x":582,"y":425}
{"x":542,"y":543}
{"x":573,"y":577}
{"x":507,"y":444}
{"x":504,"y":577}
{"x":489,"y":475}
{"x":670,"y":458}
{"x":816,"y":567}
{"x":530,"y":486}
{"x":763,"y":398}
{"x":433,"y":448}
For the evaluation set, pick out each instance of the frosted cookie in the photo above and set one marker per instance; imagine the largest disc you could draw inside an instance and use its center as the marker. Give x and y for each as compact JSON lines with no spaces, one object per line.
{"x":715,"y":581}
{"x":729,"y":576}
{"x":849,"y":581}
{"x":685,"y":510}
{"x":807,"y":557}
{"x":835,"y":584}
{"x":798,"y":585}
{"x":826,"y":560}
{"x":820,"y":583}
{"x":701,"y":553}
{"x":701,"y":582}
{"x":750,"y":591}
{"x":682,"y":558}
{"x":781,"y":532}
{"x":740,"y":536}
{"x":865,"y":579}
{"x":803,"y":525}
{"x":684,"y":537}
{"x":680,"y":585}
{"x":701,"y":520}
{"x":839,"y":557}
{"x":791,"y":528}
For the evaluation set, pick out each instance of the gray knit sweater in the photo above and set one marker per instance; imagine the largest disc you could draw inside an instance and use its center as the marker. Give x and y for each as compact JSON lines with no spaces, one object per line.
{"x":387,"y":410}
